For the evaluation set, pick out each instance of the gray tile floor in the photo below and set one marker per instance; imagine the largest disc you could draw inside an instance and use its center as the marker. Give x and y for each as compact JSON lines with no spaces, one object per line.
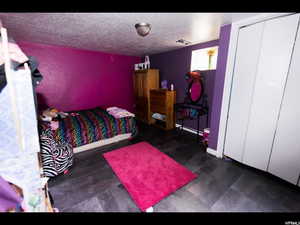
{"x":222,"y":185}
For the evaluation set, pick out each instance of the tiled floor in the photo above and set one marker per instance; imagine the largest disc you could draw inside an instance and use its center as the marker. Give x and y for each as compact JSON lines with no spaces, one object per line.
{"x":222,"y":185}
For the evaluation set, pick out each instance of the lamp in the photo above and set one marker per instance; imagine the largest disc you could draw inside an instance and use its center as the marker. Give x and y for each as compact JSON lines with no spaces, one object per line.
{"x":143,"y":29}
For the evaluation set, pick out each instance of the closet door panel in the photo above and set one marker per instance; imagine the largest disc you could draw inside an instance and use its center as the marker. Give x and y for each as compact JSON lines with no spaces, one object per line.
{"x":247,"y":55}
{"x":285,"y":156}
{"x":277,"y":44}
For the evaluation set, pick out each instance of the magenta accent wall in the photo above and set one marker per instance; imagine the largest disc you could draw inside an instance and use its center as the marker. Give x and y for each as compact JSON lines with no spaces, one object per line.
{"x":76,"y":79}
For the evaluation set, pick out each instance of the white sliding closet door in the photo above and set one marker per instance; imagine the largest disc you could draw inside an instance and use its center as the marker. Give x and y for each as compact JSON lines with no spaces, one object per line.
{"x":247,"y":55}
{"x":277,"y":44}
{"x":285,"y":156}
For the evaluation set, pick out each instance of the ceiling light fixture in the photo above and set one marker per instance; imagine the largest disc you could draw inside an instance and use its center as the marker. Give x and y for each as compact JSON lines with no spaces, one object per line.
{"x":143,"y":29}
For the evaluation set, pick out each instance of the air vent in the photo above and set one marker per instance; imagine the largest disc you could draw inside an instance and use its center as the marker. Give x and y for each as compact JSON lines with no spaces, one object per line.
{"x":184,"y":42}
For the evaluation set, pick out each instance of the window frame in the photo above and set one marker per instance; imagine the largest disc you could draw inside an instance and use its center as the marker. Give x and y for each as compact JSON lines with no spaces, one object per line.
{"x":214,"y":66}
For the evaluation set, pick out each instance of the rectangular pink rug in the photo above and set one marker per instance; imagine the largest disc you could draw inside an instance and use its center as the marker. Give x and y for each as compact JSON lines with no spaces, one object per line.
{"x":148,"y":174}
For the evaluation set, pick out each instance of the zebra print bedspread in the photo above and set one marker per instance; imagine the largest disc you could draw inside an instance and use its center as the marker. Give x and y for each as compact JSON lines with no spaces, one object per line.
{"x":56,"y":156}
{"x":92,"y":125}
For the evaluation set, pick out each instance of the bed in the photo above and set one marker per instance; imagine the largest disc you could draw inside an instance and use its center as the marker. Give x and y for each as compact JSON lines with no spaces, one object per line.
{"x":80,"y":131}
{"x":91,"y":128}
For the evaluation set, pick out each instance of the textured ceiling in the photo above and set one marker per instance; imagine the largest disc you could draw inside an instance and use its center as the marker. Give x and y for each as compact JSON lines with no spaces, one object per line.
{"x":115,"y":32}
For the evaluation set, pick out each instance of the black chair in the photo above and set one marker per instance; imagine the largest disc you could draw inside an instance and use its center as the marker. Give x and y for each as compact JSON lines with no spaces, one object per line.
{"x":195,"y":103}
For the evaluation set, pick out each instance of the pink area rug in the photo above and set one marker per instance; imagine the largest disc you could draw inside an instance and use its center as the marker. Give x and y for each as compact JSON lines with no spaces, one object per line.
{"x":148,"y":174}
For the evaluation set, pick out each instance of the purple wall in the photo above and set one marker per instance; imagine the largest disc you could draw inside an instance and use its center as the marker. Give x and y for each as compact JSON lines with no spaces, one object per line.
{"x":219,"y":85}
{"x":175,"y":64}
{"x":76,"y":79}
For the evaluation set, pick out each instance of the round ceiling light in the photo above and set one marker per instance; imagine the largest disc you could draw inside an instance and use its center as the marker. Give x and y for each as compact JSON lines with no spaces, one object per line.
{"x":143,"y":29}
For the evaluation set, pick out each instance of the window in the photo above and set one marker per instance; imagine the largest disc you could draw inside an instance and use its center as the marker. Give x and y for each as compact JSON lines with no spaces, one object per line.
{"x":204,"y":59}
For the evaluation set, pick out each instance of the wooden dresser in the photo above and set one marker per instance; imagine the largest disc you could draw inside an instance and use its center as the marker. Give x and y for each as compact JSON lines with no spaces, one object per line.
{"x":162,"y":101}
{"x":143,"y":82}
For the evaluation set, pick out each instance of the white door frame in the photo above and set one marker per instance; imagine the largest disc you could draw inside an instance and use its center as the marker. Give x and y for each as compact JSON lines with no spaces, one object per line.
{"x":229,"y":71}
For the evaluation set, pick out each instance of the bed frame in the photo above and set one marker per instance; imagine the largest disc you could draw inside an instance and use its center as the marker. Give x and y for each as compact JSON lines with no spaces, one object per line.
{"x":102,"y":142}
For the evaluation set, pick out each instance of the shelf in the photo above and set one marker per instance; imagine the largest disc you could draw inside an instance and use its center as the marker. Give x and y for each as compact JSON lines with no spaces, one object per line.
{"x":162,"y":102}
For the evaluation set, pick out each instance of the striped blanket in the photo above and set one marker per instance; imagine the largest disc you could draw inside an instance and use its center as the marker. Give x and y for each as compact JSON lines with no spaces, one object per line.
{"x":92,"y":125}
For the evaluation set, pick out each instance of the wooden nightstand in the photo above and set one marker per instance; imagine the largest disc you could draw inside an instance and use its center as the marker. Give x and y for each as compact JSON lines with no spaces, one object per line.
{"x":162,"y":101}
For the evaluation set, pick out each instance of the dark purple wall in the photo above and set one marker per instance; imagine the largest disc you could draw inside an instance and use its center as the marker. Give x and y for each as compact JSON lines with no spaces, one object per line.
{"x":219,"y":85}
{"x":76,"y":79}
{"x":173,"y":65}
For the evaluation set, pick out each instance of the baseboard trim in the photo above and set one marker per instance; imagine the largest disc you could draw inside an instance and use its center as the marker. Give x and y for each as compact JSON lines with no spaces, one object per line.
{"x":211,"y":151}
{"x":191,"y":130}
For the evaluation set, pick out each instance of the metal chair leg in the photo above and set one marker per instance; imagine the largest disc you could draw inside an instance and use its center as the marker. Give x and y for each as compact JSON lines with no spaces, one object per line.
{"x":207,"y":120}
{"x":198,"y":120}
